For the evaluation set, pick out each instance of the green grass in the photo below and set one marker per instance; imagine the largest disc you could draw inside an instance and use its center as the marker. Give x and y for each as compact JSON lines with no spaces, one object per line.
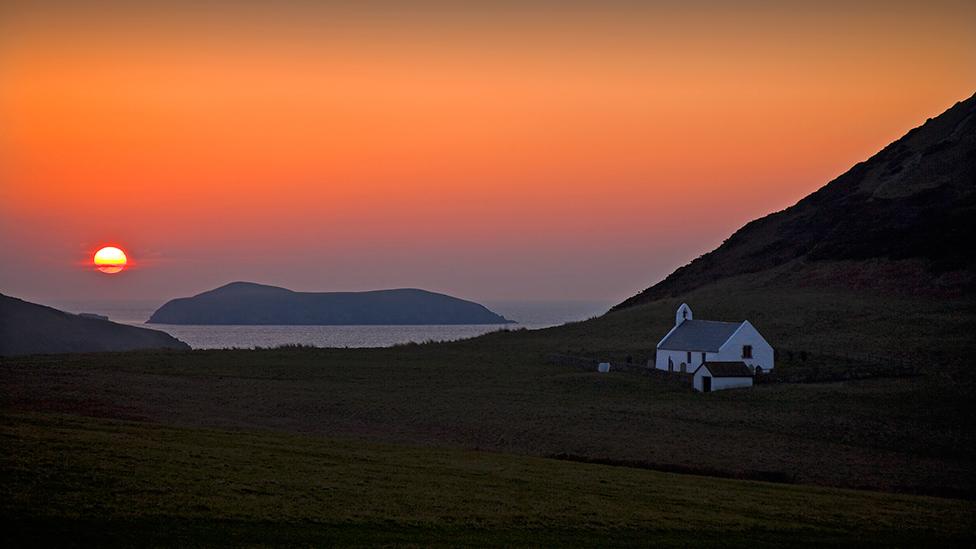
{"x":445,"y":443}
{"x":891,"y":434}
{"x":935,"y":333}
{"x":80,"y":481}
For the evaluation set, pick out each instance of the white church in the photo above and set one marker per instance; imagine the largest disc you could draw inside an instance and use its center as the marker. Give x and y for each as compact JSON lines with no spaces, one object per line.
{"x":721,"y":355}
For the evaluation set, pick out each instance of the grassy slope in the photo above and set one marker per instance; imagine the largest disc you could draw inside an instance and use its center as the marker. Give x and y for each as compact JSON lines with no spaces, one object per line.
{"x":497,"y":393}
{"x":913,"y":202}
{"x":127,"y":483}
{"x":934,"y":332}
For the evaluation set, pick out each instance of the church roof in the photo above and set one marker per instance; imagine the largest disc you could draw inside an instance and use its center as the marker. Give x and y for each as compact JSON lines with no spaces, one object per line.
{"x":727,"y":369}
{"x":699,"y":335}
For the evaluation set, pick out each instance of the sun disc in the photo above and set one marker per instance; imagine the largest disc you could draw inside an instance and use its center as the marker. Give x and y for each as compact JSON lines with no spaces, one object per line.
{"x":110,"y":260}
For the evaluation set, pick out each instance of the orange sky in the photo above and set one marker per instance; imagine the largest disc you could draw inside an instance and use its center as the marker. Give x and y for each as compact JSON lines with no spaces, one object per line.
{"x":492,"y":153}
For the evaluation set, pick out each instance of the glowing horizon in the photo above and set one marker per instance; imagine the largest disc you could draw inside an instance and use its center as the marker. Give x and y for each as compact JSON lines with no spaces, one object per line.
{"x":491,"y":153}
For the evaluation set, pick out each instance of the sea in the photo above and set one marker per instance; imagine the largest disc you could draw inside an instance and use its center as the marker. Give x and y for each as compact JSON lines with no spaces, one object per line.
{"x":528,"y":314}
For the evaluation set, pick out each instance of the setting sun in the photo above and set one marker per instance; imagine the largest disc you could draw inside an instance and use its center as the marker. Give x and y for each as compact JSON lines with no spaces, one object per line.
{"x":110,"y":260}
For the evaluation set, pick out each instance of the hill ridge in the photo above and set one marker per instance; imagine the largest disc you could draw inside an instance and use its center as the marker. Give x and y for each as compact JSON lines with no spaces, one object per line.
{"x":912,"y":200}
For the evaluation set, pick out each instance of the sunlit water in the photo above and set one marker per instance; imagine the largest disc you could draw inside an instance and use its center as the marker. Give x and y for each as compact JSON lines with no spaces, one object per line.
{"x":528,"y":314}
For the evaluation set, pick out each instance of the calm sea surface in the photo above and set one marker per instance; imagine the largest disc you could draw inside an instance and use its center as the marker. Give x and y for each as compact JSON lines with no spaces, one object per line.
{"x":528,"y":314}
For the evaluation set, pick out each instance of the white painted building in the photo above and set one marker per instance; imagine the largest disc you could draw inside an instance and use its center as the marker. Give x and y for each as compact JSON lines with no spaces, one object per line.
{"x":691,"y":343}
{"x":716,"y":376}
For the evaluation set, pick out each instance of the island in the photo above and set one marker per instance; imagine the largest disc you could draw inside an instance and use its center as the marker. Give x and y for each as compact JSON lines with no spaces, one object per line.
{"x":247,"y":303}
{"x":28,"y":328}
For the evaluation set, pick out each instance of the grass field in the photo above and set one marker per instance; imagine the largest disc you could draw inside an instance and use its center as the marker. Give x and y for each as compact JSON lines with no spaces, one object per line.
{"x":887,"y":434}
{"x":86,"y":480}
{"x":448,"y":443}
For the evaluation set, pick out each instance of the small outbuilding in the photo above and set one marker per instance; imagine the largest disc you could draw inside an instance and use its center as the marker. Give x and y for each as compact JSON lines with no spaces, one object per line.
{"x":717,"y":376}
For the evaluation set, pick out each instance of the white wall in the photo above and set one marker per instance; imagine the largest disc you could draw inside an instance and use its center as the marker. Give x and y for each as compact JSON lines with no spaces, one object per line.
{"x":721,"y":383}
{"x":731,"y":350}
{"x":661,"y":359}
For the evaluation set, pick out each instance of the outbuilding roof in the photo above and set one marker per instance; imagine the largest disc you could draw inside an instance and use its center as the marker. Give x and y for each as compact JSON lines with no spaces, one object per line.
{"x":727,"y":369}
{"x":699,"y":335}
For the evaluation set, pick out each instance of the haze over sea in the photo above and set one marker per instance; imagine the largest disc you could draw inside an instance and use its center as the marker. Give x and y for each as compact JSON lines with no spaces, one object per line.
{"x":528,"y":314}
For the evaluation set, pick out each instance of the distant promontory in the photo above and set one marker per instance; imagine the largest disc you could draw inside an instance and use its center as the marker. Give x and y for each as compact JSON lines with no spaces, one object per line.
{"x":246,"y":303}
{"x":28,"y":328}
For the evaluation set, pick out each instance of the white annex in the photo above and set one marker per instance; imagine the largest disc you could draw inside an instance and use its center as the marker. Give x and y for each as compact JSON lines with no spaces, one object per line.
{"x":715,"y":376}
{"x":692,"y":343}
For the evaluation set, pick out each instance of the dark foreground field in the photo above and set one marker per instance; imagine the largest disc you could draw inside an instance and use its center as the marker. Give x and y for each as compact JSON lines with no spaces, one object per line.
{"x":911,"y":435}
{"x":78,"y":481}
{"x":452,"y":443}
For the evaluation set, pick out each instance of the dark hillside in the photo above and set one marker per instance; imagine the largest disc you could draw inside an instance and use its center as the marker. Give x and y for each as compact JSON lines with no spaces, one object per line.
{"x":28,"y":328}
{"x":913,"y":203}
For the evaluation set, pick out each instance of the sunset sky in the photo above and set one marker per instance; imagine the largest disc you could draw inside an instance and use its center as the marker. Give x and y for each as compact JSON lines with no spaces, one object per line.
{"x":518,"y":151}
